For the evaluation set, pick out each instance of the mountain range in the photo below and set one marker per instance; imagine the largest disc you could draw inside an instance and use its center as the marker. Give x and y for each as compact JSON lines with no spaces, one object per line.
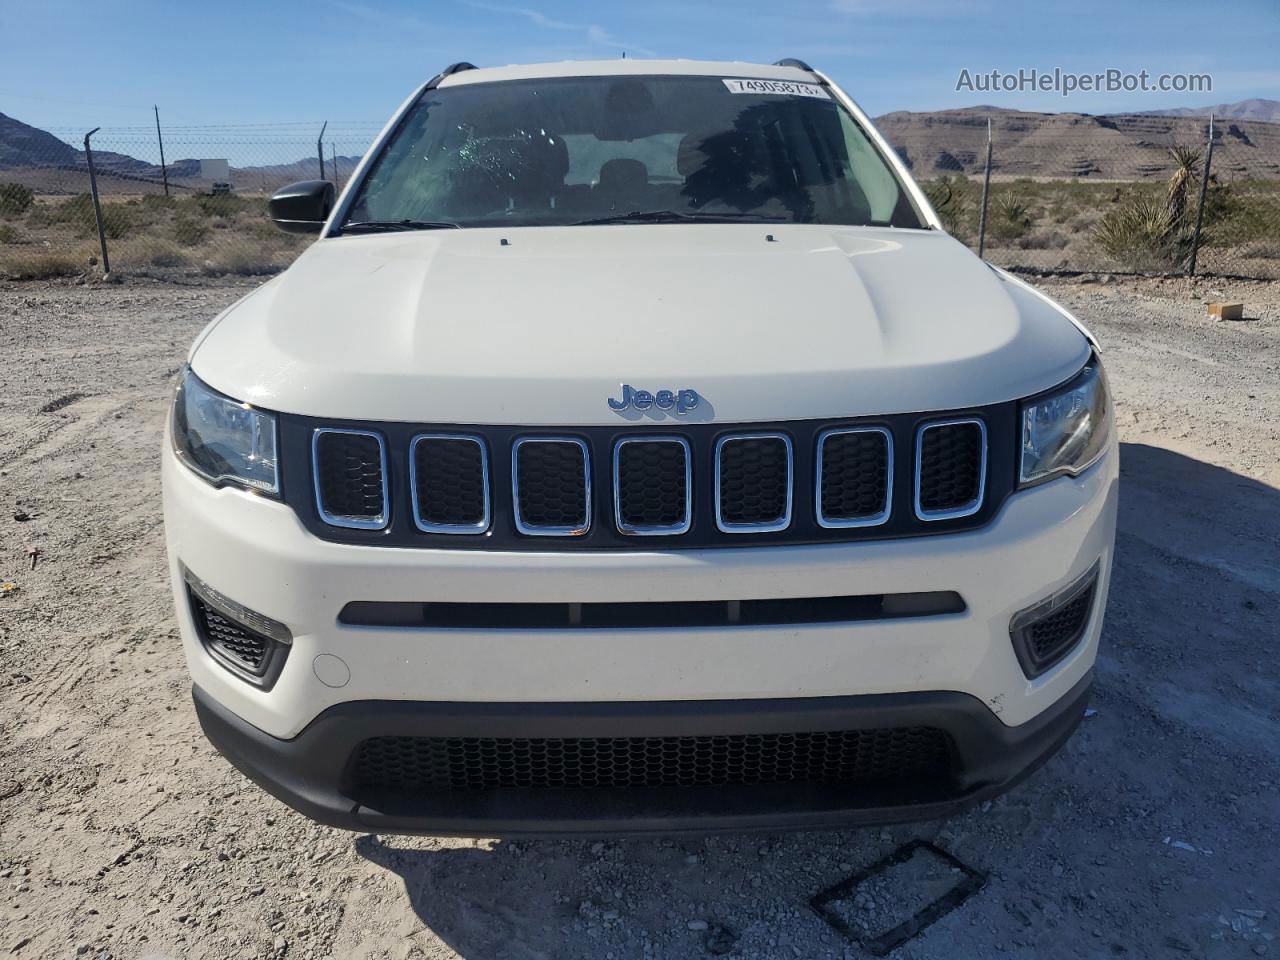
{"x":934,"y":143}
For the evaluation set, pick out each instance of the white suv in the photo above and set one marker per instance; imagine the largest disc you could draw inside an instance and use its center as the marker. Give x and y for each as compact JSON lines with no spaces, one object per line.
{"x":634,"y":451}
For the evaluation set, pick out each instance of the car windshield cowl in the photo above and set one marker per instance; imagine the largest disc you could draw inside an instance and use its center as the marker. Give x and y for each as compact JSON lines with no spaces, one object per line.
{"x":569,"y":151}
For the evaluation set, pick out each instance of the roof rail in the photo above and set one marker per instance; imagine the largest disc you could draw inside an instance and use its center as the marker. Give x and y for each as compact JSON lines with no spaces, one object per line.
{"x":449,"y":71}
{"x":793,"y":62}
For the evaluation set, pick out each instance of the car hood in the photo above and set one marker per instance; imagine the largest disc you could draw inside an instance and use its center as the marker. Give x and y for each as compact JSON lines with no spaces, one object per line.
{"x":539,"y":326}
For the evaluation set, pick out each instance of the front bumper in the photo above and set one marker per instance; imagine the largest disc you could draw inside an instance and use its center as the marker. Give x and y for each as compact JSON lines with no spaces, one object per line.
{"x":313,"y":773}
{"x":256,"y":552}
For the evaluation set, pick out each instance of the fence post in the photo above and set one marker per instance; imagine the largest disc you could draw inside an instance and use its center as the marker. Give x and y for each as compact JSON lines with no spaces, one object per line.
{"x":1204,"y":188}
{"x":164,"y":171}
{"x":333,"y":163}
{"x":97,"y":207}
{"x":986,"y":185}
{"x":320,"y":148}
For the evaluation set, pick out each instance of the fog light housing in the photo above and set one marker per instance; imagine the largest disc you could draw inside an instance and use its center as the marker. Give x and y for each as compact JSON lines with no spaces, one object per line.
{"x":1045,"y":633}
{"x":248,"y":644}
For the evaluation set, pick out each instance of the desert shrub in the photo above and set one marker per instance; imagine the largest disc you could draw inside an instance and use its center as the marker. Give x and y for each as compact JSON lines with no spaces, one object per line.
{"x":9,"y":233}
{"x":150,"y":251}
{"x":15,"y":199}
{"x":158,"y":202}
{"x":189,"y":232}
{"x":241,"y":261}
{"x":1008,"y":217}
{"x":42,"y":266}
{"x":1138,"y":235}
{"x":223,"y":205}
{"x":77,"y":212}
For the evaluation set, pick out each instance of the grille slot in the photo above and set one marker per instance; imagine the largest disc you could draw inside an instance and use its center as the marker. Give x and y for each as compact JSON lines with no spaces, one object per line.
{"x":465,"y":764}
{"x":652,"y":479}
{"x":855,"y":477}
{"x":350,"y":469}
{"x":753,"y":483}
{"x":636,"y":615}
{"x":551,"y":485}
{"x":449,"y":475}
{"x":951,"y":469}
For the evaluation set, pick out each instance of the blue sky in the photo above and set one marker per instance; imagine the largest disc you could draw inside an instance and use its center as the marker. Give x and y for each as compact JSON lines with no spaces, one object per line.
{"x":68,"y":64}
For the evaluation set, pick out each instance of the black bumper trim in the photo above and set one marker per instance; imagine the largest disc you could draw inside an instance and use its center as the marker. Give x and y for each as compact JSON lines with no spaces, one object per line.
{"x":309,"y":772}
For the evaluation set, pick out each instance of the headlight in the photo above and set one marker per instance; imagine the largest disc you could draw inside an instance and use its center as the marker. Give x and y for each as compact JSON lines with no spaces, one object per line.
{"x":1066,"y":431}
{"x":223,"y":440}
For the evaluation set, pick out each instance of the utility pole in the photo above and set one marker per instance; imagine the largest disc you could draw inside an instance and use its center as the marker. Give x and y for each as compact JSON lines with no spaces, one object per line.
{"x":164,"y":172}
{"x":320,"y":147}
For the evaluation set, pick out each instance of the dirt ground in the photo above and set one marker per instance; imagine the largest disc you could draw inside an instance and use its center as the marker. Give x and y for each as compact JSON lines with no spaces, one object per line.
{"x":123,"y":835}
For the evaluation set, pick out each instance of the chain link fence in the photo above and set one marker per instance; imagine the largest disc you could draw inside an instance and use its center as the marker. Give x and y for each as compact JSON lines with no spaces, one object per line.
{"x":1112,"y":194}
{"x":1067,"y":192}
{"x":202,"y":212}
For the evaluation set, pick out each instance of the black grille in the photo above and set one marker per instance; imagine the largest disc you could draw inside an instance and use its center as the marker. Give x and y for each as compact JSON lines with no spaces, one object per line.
{"x":1056,"y":633}
{"x":449,"y":482}
{"x":754,"y":481}
{"x":652,"y":485}
{"x":472,"y":763}
{"x":855,"y":475}
{"x":540,"y":497}
{"x":552,"y":484}
{"x":951,"y":459}
{"x":349,"y":477}
{"x":247,"y":650}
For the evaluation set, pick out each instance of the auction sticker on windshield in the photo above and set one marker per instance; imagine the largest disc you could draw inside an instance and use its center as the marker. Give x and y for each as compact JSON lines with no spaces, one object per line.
{"x":785,"y":87}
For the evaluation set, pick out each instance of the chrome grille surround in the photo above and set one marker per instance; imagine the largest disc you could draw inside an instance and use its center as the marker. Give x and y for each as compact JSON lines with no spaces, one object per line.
{"x":352,"y":523}
{"x":964,"y":510}
{"x":666,"y":530}
{"x":872,"y":520}
{"x":783,"y":521}
{"x":460,"y":529}
{"x":550,"y":531}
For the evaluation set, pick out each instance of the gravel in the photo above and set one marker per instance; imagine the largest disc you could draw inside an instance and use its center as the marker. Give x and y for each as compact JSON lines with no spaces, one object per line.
{"x":123,"y":835}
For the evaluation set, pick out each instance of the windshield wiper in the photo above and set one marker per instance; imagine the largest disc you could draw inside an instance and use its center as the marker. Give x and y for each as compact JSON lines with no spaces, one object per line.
{"x":675,"y":216}
{"x":380,"y":226}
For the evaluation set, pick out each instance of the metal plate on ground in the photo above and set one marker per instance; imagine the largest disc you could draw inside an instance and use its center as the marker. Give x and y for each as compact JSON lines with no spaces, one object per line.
{"x":886,"y":904}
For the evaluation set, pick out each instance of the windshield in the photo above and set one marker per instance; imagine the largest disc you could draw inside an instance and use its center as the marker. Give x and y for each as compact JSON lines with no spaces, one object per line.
{"x":570,"y":150}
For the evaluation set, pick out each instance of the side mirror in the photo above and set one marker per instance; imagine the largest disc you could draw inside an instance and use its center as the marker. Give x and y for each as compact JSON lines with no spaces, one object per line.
{"x":302,"y":207}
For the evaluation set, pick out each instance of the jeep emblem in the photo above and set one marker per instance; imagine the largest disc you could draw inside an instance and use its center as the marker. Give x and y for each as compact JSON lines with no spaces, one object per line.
{"x":682,"y":401}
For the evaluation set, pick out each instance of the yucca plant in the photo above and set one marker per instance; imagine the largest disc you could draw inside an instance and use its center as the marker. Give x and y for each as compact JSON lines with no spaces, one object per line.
{"x":1185,"y":176}
{"x":1010,"y":217}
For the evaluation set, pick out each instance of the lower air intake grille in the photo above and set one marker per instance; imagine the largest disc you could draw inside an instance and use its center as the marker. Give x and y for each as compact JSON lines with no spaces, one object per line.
{"x":471,"y":763}
{"x":1060,"y":630}
{"x":552,"y":494}
{"x":350,"y":482}
{"x":753,"y":479}
{"x":1045,"y":633}
{"x":245,"y":649}
{"x":952,"y":461}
